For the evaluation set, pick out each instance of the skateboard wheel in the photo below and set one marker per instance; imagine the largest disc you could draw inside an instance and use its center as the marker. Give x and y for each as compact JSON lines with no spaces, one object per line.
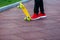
{"x":20,"y":6}
{"x":17,"y":6}
{"x":27,"y":19}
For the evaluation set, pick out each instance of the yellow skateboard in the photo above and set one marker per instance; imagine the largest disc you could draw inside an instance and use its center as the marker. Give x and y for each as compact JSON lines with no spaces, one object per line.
{"x":25,"y":11}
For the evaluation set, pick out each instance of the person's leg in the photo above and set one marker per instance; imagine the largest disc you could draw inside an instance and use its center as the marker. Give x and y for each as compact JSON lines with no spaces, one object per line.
{"x":41,"y":6}
{"x":36,"y":10}
{"x":36,"y":7}
{"x":41,"y":14}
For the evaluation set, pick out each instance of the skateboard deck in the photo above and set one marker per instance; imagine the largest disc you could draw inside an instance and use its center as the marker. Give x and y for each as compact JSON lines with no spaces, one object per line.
{"x":25,"y":11}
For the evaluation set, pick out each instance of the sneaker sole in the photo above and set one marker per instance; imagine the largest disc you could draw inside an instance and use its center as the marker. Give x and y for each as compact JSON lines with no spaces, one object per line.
{"x":42,"y":17}
{"x":39,"y":17}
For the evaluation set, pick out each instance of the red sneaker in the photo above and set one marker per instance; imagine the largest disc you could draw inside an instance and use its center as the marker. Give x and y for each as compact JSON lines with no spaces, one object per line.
{"x":34,"y":16}
{"x":41,"y":15}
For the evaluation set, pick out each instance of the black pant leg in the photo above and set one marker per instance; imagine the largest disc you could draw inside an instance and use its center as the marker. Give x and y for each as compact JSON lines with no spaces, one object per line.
{"x":36,"y":6}
{"x":41,"y":6}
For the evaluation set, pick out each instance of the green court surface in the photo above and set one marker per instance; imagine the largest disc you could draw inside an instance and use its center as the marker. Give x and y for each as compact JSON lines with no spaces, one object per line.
{"x":7,"y":2}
